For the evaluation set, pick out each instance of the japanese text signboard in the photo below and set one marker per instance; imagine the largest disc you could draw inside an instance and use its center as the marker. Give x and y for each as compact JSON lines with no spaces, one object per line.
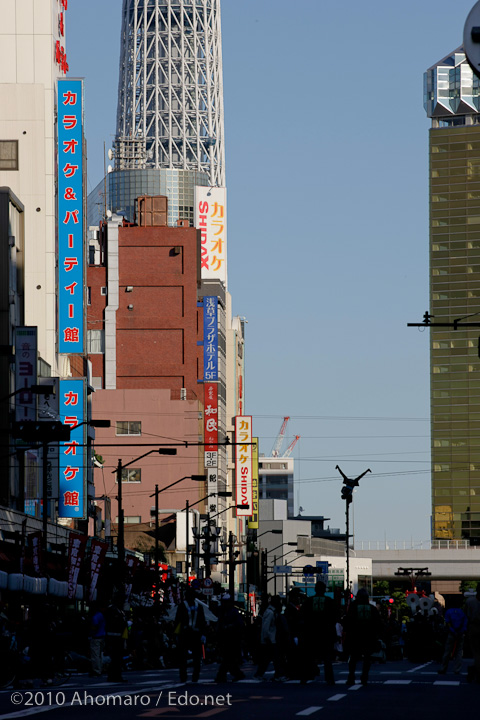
{"x":243,"y":463}
{"x":70,"y":217}
{"x":253,"y":519}
{"x":210,"y":338}
{"x":211,"y":424}
{"x":60,"y":53}
{"x":211,"y":220}
{"x":25,"y":372}
{"x":71,"y":501}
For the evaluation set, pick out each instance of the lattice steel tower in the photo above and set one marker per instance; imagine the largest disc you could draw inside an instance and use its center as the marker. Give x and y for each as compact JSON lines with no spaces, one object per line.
{"x":170,"y":97}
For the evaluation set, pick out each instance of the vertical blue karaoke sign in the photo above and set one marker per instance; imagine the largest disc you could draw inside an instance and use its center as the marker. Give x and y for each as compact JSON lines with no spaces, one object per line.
{"x":210,"y":338}
{"x":70,"y":217}
{"x":71,"y":500}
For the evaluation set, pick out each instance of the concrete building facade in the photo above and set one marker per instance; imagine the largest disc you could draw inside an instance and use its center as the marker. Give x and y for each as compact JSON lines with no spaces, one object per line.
{"x":32,"y":58}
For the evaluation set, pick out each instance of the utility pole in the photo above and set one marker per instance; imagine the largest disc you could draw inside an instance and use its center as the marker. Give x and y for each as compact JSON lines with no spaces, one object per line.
{"x":347,"y":495}
{"x":207,"y":548}
{"x":231,"y":566}
{"x":187,"y":510}
{"x":120,"y":530}
{"x":157,"y":569}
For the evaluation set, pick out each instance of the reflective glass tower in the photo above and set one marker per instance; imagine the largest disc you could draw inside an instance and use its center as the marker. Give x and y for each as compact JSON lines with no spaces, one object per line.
{"x":452,"y":101}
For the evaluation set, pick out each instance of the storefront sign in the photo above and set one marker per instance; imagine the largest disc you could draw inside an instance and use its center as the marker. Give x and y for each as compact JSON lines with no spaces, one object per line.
{"x":70,"y":217}
{"x":211,"y":220}
{"x":26,"y":358}
{"x":71,"y":501}
{"x":210,"y":338}
{"x":243,"y":464}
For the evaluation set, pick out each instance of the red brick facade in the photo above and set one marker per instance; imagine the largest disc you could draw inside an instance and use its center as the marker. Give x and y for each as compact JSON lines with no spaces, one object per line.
{"x":157,"y":335}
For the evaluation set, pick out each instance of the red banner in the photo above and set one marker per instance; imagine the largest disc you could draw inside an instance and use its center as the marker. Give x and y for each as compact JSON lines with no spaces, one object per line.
{"x":76,"y":551}
{"x":35,"y":540}
{"x":98,"y":552}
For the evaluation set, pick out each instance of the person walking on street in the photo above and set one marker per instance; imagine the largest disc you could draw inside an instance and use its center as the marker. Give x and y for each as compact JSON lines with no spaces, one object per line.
{"x":268,"y":639}
{"x":97,"y":640}
{"x":190,"y":628}
{"x":472,"y":611}
{"x":230,"y":629}
{"x":319,"y":634}
{"x":293,"y":619}
{"x":362,"y":635}
{"x":115,"y":627}
{"x":456,"y":624}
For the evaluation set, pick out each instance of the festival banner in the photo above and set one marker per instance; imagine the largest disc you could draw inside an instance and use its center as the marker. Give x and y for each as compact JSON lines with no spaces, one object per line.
{"x":35,"y":542}
{"x":76,"y":551}
{"x":98,"y":551}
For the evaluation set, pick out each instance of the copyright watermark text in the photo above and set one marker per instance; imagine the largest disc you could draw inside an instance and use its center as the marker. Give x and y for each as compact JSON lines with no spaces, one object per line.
{"x":169,"y":698}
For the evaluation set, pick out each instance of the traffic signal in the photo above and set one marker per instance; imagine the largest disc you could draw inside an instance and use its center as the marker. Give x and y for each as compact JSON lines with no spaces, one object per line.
{"x":347,"y":491}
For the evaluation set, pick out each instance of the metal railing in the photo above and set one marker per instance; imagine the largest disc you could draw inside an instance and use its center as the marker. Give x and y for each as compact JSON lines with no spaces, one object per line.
{"x":414,"y":545}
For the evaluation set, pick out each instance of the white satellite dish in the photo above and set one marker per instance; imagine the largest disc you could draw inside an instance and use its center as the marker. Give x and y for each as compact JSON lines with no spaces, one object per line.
{"x":110,"y":154}
{"x":109,"y":213}
{"x":109,"y":169}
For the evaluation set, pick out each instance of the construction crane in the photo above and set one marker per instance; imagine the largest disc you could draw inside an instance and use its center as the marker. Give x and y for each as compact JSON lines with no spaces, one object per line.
{"x":288,"y":451}
{"x":277,"y":445}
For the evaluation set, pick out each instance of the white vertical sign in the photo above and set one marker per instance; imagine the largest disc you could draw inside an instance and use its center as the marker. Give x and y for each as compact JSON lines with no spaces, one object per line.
{"x":243,"y":464}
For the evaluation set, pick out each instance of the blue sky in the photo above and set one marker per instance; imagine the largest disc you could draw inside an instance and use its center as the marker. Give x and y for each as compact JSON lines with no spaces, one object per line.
{"x":326,"y":164}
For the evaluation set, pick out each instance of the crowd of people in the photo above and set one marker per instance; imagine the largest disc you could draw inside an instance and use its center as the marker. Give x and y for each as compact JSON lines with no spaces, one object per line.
{"x":295,"y":637}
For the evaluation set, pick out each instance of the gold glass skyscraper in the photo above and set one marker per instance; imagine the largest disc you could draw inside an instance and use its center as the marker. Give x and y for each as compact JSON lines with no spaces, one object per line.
{"x":452,"y":101}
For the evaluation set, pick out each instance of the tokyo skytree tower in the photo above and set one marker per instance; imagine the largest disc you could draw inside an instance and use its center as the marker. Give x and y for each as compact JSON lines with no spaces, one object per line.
{"x":170,"y":97}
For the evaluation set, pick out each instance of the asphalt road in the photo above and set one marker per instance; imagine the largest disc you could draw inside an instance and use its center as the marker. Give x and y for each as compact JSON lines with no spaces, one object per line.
{"x":396,"y":690}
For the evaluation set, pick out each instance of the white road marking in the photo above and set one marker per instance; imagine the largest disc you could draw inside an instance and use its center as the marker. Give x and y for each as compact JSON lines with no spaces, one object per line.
{"x":447,"y":682}
{"x":397,"y":682}
{"x":334,"y":698}
{"x":310,"y":710}
{"x":416,"y":669}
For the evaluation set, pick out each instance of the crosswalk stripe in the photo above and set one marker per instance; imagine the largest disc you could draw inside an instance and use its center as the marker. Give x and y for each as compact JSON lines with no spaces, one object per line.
{"x":398,"y":682}
{"x":310,"y":710}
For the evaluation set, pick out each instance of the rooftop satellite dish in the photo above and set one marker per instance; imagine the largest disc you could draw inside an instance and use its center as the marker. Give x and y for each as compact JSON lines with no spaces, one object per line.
{"x":109,"y":213}
{"x":471,"y":38}
{"x":110,"y":154}
{"x":109,"y":169}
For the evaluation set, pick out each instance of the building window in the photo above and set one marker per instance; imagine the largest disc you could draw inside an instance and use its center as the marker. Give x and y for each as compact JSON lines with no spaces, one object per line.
{"x":95,"y":342}
{"x":128,"y":427}
{"x":8,"y":154}
{"x":89,"y":295}
{"x":131,"y":475}
{"x":130,"y":519}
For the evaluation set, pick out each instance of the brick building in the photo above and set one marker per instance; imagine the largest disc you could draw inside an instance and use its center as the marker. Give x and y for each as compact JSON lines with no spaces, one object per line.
{"x":143,"y":335}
